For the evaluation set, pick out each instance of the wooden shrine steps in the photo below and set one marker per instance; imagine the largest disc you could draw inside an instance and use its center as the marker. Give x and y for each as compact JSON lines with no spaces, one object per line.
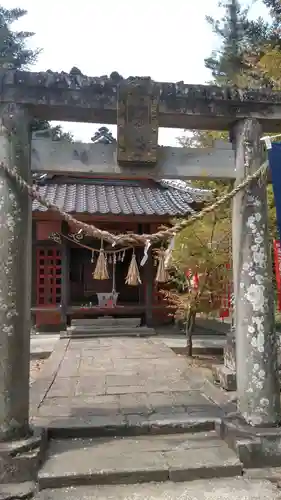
{"x":107,"y":327}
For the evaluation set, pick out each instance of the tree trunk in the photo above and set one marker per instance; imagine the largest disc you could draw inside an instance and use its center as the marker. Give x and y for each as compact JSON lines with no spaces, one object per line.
{"x":189,"y":328}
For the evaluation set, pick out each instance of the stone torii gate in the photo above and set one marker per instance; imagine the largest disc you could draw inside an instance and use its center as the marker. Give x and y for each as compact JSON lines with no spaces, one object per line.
{"x":139,"y":107}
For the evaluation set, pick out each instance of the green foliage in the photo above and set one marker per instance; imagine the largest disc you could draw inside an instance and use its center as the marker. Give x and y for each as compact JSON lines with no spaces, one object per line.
{"x":273,"y":231}
{"x":227,"y":63}
{"x":13,"y":44}
{"x":202,"y":249}
{"x":202,"y":138}
{"x":249,"y":55}
{"x":275,"y":10}
{"x":178,"y":279}
{"x":103,"y":136}
{"x":56,"y":132}
{"x":242,"y":46}
{"x":14,"y":54}
{"x":203,"y":244}
{"x":206,"y":139}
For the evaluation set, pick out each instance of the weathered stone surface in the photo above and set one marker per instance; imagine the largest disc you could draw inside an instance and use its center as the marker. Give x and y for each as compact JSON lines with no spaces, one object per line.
{"x":230,"y":348}
{"x":20,"y":491}
{"x":225,"y":377}
{"x":167,"y":424}
{"x":138,"y":403}
{"x":224,"y":399}
{"x":46,"y":376}
{"x":128,"y":460}
{"x":15,"y":275}
{"x":84,"y":426}
{"x":42,"y":346}
{"x":86,"y":332}
{"x":255,"y":446}
{"x":119,"y":385}
{"x":214,"y":489}
{"x":63,"y":158}
{"x":258,"y":390}
{"x":137,"y":121}
{"x":108,"y":84}
{"x":106,"y":321}
{"x":272,"y":474}
{"x":203,"y":463}
{"x":20,"y":459}
{"x":76,"y":97}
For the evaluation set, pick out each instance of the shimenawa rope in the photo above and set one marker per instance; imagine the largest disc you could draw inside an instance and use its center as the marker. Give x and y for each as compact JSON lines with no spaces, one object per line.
{"x":132,"y":239}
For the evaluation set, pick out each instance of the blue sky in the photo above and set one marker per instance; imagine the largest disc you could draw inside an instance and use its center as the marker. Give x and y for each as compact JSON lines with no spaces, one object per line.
{"x":167,"y":41}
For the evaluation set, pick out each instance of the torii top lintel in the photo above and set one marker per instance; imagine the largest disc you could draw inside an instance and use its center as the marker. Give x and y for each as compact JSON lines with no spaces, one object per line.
{"x":76,"y":97}
{"x":138,"y":105}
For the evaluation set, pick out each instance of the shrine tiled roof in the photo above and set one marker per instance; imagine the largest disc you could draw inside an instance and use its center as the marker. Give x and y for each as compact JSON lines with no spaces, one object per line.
{"x":121,"y":197}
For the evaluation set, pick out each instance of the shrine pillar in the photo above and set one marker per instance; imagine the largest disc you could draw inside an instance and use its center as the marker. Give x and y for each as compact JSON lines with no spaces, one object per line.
{"x":258,"y":391}
{"x":65,"y":270}
{"x":149,"y":289}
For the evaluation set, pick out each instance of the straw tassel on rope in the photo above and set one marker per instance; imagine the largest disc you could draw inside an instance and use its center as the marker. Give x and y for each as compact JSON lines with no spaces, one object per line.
{"x":101,"y":271}
{"x":133,"y":276}
{"x":162,"y":275}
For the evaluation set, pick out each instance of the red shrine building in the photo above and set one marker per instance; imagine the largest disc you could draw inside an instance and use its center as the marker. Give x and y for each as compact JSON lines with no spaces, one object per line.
{"x":64,"y":259}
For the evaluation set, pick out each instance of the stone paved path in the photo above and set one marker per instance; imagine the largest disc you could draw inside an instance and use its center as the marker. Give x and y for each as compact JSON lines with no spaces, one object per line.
{"x":35,"y":367}
{"x":115,"y":380}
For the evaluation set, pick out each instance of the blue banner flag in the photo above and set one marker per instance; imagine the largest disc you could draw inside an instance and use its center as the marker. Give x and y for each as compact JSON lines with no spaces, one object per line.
{"x":274,"y":159}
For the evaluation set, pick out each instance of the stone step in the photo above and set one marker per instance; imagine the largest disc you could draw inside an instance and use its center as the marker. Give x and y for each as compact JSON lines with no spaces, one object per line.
{"x":107,"y":426}
{"x":175,"y":457}
{"x":107,"y":321}
{"x":236,"y":488}
{"x":118,"y":331}
{"x":18,"y":491}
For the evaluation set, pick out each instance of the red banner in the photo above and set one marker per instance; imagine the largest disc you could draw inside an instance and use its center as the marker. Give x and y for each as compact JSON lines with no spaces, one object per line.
{"x":224,"y":300}
{"x":193,"y":279}
{"x":277,"y":263}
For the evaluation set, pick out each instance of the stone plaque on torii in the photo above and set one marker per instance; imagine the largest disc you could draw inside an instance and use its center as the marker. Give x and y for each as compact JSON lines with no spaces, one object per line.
{"x":139,"y":107}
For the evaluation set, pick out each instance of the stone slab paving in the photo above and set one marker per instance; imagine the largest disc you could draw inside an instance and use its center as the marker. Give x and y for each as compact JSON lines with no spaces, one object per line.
{"x":200,"y":341}
{"x":115,"y":379}
{"x":34,"y":368}
{"x":215,"y":489}
{"x":42,"y":345}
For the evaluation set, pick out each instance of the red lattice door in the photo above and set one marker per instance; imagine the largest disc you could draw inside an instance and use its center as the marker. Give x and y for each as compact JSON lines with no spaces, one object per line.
{"x":48,"y":276}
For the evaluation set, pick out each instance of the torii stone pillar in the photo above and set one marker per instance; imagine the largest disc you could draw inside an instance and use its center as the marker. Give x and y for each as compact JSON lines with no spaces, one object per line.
{"x":16,"y":438}
{"x":15,"y":276}
{"x":258,"y":391}
{"x":256,"y":341}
